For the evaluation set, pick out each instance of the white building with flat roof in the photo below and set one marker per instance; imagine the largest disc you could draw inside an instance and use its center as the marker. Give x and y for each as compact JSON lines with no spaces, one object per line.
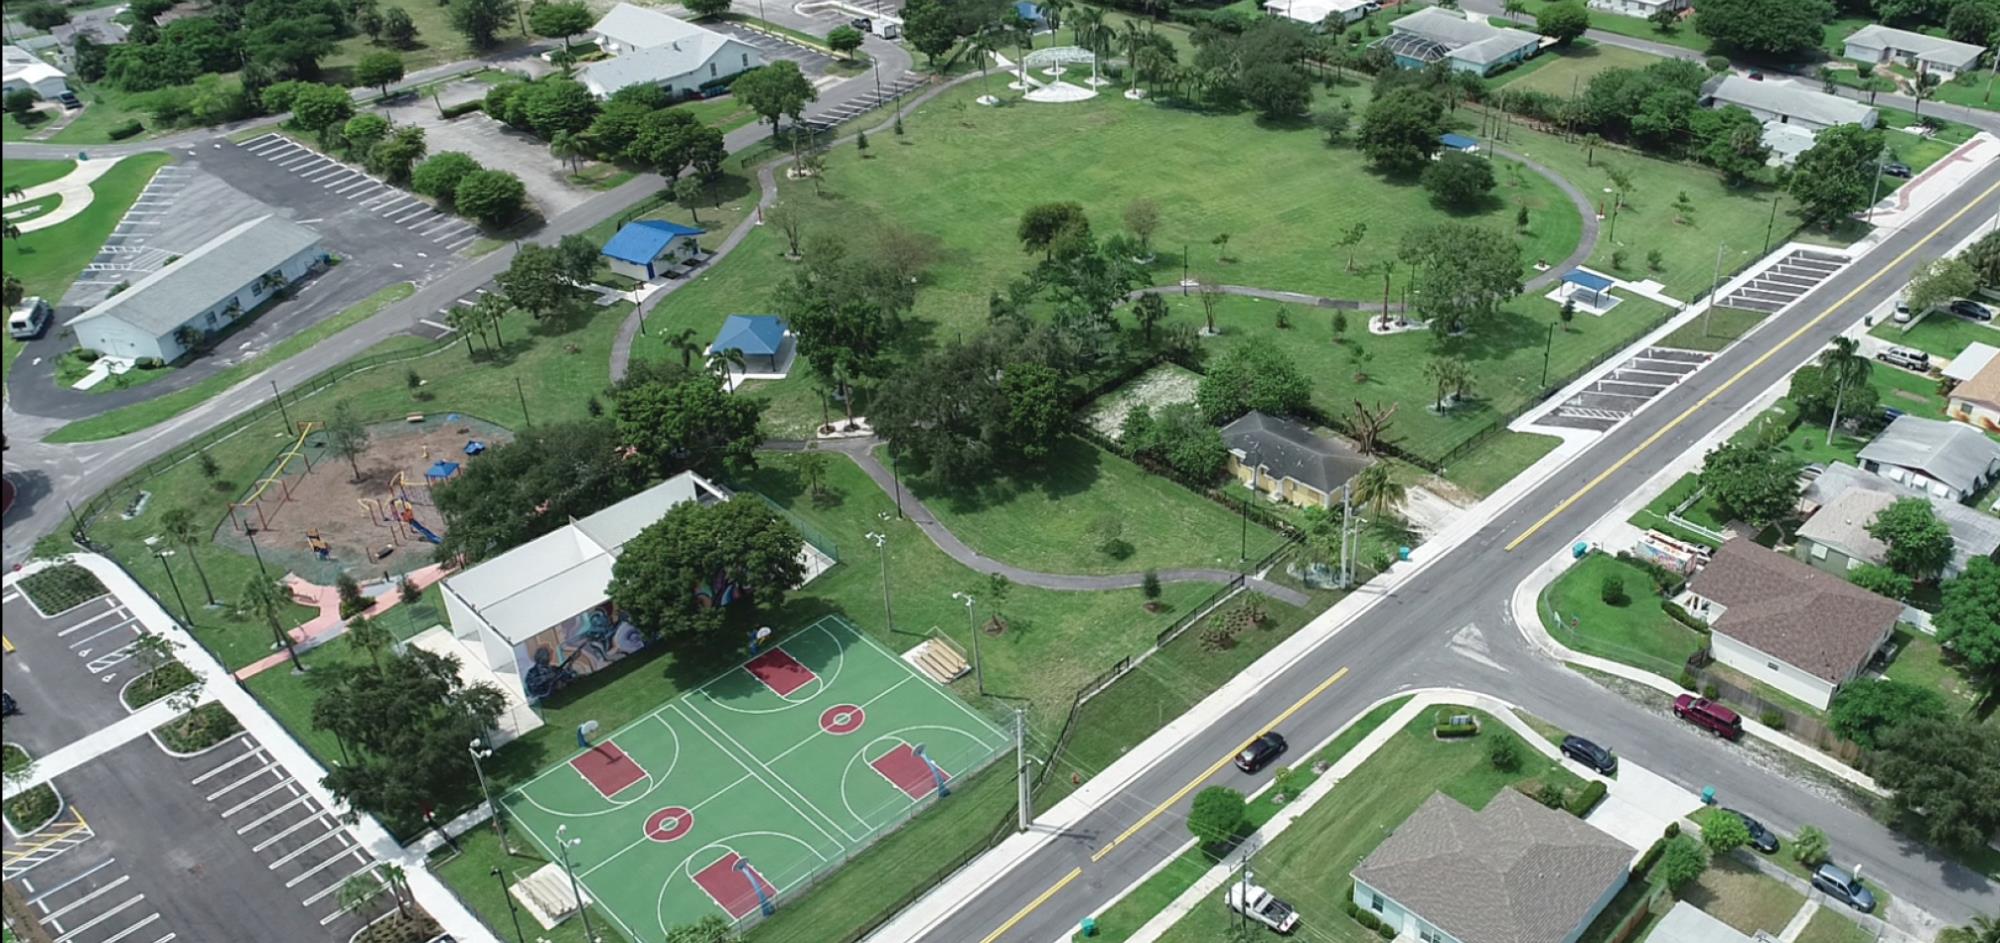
{"x":1315,"y":13}
{"x":1887,"y":45}
{"x":651,"y":48}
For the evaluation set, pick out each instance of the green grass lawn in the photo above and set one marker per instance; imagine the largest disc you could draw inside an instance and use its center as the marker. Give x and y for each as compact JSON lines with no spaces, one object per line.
{"x":1920,"y":661}
{"x":1682,"y":35}
{"x":470,"y":875}
{"x":1714,"y":331}
{"x":1743,"y":897}
{"x":1308,"y":865}
{"x":1637,"y":633}
{"x":138,"y":416}
{"x":1047,"y":522}
{"x":1785,"y":860}
{"x":1565,"y":72}
{"x":1970,"y":91}
{"x":105,"y":108}
{"x":1118,"y":922}
{"x":1938,"y":334}
{"x":437,"y":42}
{"x":1497,"y":460}
{"x":1828,"y":926}
{"x":28,"y":174}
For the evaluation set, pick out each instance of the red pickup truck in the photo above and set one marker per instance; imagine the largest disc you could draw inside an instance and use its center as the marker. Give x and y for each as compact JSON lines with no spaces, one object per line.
{"x":1707,"y":714}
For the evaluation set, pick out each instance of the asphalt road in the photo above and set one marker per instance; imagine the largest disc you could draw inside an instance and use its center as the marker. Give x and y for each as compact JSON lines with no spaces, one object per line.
{"x":1450,"y":625}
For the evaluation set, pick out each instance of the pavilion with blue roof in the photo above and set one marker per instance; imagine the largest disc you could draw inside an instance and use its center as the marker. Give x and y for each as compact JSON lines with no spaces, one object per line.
{"x":1459,"y":143}
{"x":763,"y":341}
{"x":648,"y":249}
{"x":1587,"y":290}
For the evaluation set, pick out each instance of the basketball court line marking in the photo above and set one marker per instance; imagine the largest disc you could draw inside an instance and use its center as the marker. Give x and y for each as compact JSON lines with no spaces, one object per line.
{"x":861,"y":753}
{"x":767,"y":784}
{"x":549,"y":854}
{"x":598,"y":753}
{"x":827,"y":681}
{"x":953,"y":698}
{"x":729,"y":862}
{"x":930,"y":778}
{"x":782,"y":781}
{"x":822,"y":732}
{"x":644,"y":838}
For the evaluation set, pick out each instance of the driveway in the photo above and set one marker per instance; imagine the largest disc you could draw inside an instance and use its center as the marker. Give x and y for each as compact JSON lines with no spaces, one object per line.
{"x":492,"y":144}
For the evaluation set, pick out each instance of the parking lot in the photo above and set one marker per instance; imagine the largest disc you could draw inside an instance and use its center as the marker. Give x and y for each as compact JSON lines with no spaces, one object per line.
{"x":492,"y":144}
{"x":348,"y":195}
{"x":1785,"y":281}
{"x":66,"y":669}
{"x":812,"y":62}
{"x":1630,"y":385}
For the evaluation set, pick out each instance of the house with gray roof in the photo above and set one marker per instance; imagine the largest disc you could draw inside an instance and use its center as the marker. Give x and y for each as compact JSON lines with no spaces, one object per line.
{"x":1947,"y":459}
{"x":1467,"y":42}
{"x":1789,"y":625}
{"x":1845,"y":502}
{"x":1288,"y":462}
{"x":1785,"y":102}
{"x":1513,"y":872}
{"x":1944,"y":58}
{"x":651,"y":48}
{"x":204,"y":291}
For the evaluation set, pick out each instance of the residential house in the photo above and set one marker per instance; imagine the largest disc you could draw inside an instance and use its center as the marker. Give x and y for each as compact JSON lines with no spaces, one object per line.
{"x":1976,"y":399}
{"x":204,"y":291}
{"x":1836,"y":537}
{"x":1287,"y":462}
{"x":1785,"y":102}
{"x":1317,"y":13}
{"x":1787,"y":624}
{"x":1638,"y":8}
{"x":1466,"y":41}
{"x":1944,"y":58}
{"x":1513,"y":872}
{"x":648,"y":249}
{"x":24,"y":69}
{"x":1948,"y":459}
{"x":1970,"y":361}
{"x":762,"y":339}
{"x":651,"y":48}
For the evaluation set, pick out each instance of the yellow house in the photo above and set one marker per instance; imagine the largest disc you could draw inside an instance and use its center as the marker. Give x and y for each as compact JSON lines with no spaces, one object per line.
{"x":1286,"y":461}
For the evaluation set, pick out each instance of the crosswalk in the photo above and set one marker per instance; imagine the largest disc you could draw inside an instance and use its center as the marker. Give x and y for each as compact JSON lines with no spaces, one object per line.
{"x":398,"y":206}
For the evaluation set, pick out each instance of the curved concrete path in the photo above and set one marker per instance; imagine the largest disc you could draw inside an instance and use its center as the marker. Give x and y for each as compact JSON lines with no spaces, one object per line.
{"x":862,"y":452}
{"x":73,"y":187}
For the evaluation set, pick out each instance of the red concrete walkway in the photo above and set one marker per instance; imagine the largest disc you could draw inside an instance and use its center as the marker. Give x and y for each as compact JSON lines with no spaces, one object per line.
{"x":328,"y":625}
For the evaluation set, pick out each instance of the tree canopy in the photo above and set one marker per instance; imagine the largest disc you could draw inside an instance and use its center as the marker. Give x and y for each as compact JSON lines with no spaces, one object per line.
{"x":774,"y":91}
{"x":1836,"y":176}
{"x":1785,"y":29}
{"x":1400,"y":130}
{"x":1920,"y":545}
{"x":1862,"y":710}
{"x":1968,"y":619}
{"x":1459,"y":180}
{"x":524,"y":488}
{"x":493,"y":197}
{"x":688,"y":422}
{"x":402,"y":727}
{"x":1564,"y":22}
{"x":1462,"y":273}
{"x":481,"y":20}
{"x":1753,"y":482}
{"x":1252,"y":377}
{"x":672,"y":577}
{"x":1947,"y":774}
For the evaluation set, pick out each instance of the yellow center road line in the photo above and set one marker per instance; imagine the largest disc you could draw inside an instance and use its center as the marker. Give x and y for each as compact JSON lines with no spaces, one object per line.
{"x":1037,"y":902}
{"x":1205,"y":774}
{"x":1740,"y":374}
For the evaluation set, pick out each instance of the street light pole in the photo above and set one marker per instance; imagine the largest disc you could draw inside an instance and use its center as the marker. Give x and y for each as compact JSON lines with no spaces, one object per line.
{"x":565,"y":843}
{"x":251,"y":532}
{"x":185,"y":612}
{"x":501,"y":876}
{"x":481,"y":751}
{"x":978,"y":670}
{"x":1547,"y":347}
{"x":1714,"y":286}
{"x":881,"y":542}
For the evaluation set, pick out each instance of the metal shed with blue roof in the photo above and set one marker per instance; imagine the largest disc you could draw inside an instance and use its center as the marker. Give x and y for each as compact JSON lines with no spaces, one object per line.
{"x":647,"y":249}
{"x":761,"y":338}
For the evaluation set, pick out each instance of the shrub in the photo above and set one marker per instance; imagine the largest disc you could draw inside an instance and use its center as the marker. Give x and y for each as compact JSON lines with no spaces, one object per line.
{"x":1504,"y":753}
{"x":1449,"y":731}
{"x":1673,"y":828}
{"x":1809,"y":847}
{"x":1353,"y":909}
{"x":130,"y":128}
{"x":351,"y":600}
{"x":1647,"y":860}
{"x":1612,"y":590}
{"x":1149,"y":584}
{"x":1680,"y":614}
{"x":1583,"y":800}
{"x":149,"y":363}
{"x":1711,"y":691}
{"x":1687,"y":680}
{"x":1367,"y":918}
{"x":1717,"y":63}
{"x":1773,"y":718}
{"x":1550,"y":795}
{"x":462,"y":109}
{"x":1386,"y":932}
{"x":1683,"y":860}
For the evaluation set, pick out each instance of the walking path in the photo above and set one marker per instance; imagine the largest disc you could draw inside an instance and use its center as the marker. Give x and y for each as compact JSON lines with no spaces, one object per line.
{"x":328,"y":625}
{"x":73,"y":188}
{"x":430,"y":893}
{"x":862,"y":452}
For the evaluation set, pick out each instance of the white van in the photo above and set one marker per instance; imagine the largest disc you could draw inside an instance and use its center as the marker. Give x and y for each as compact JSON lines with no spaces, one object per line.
{"x":30,"y":318}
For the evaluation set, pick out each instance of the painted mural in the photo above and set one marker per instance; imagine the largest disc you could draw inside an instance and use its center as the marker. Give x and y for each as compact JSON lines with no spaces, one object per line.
{"x":577,"y":646}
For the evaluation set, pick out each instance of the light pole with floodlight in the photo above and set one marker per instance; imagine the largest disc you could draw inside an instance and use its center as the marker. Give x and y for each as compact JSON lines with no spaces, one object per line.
{"x":881,"y":542}
{"x":513,"y":912}
{"x":978,"y":670}
{"x":564,"y":843}
{"x":480,"y":751}
{"x":185,"y":611}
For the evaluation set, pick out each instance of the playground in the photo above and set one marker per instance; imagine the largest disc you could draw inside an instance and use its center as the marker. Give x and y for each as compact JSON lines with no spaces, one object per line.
{"x":740,"y":793}
{"x":309,"y":514}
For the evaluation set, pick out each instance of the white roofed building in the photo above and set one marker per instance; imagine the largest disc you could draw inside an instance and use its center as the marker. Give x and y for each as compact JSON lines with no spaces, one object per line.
{"x":1314,"y":13}
{"x":651,"y":48}
{"x":1944,"y":58}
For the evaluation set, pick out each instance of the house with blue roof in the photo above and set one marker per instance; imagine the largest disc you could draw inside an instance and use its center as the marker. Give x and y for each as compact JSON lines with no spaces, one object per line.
{"x":764,"y":342}
{"x":1459,"y":143}
{"x":649,"y":249}
{"x":1033,"y":15}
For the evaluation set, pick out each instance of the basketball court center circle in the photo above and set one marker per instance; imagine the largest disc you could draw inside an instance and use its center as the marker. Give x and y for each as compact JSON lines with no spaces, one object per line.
{"x":842,"y":719}
{"x":669,"y":824}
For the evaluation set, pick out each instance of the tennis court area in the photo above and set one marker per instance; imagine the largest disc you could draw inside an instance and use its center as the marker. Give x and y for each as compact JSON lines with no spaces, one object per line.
{"x":744,"y":789}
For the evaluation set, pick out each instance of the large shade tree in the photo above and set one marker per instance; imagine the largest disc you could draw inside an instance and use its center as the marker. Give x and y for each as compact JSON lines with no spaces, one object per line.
{"x":677,"y":574}
{"x":402,"y":727}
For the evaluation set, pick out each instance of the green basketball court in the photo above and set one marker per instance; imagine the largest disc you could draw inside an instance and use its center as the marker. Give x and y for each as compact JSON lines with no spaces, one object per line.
{"x":746,"y":788}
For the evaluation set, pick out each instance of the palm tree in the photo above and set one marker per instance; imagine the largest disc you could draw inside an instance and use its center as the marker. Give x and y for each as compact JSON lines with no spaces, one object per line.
{"x":683,"y":341}
{"x":1088,"y":26}
{"x":1378,"y":491}
{"x":399,"y":885}
{"x":812,"y":467}
{"x":1134,"y":37}
{"x":268,"y":599}
{"x":369,"y":636}
{"x":720,"y":361}
{"x":1843,"y":366}
{"x":464,"y":320}
{"x":1449,"y":375}
{"x":983,"y":46}
{"x":1514,"y":9}
{"x":1387,"y":268}
{"x":10,"y":231}
{"x":1591,"y":142}
{"x":180,"y":528}
{"x":492,"y":308}
{"x":15,"y":192}
{"x":359,"y":891}
{"x":569,"y":147}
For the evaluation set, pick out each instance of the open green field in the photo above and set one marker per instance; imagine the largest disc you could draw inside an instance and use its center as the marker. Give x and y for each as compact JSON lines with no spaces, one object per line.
{"x":1717,"y":328}
{"x":1920,"y":660}
{"x":1046,"y":522}
{"x":437,"y":42}
{"x":1637,"y":633}
{"x":1495,"y":461}
{"x":1828,"y":926}
{"x":1308,"y":865}
{"x":1565,"y":72}
{"x":1682,"y":35}
{"x":138,"y":416}
{"x":1743,"y":897}
{"x":28,"y":174}
{"x":1939,"y":334}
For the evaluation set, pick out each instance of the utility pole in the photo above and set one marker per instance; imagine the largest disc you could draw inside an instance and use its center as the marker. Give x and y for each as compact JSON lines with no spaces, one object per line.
{"x":481,"y":751}
{"x":564,"y":843}
{"x":251,"y":533}
{"x":281,"y":407}
{"x":881,"y":542}
{"x":978,"y":670}
{"x":1714,"y":286}
{"x":1021,"y":768}
{"x":1347,"y":534}
{"x":501,"y":876}
{"x":525,"y":421}
{"x":185,"y":611}
{"x":1547,"y":347}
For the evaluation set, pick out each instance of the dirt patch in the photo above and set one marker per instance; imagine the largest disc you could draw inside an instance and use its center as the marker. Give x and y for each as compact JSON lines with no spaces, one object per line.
{"x":1163,"y":385}
{"x":347,"y":513}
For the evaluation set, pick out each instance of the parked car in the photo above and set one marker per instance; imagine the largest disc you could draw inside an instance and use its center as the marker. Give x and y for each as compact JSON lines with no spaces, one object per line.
{"x":1967,"y":308}
{"x":1897,"y":169}
{"x":7,"y":706}
{"x":1260,"y":905}
{"x":1260,"y":752}
{"x":29,"y":318}
{"x":1844,"y":887}
{"x":863,"y":24}
{"x":69,"y":101}
{"x":1903,"y":314}
{"x":1906,"y":358}
{"x":1590,"y":754}
{"x":1761,"y":838}
{"x":1756,"y":76}
{"x":1709,"y":716}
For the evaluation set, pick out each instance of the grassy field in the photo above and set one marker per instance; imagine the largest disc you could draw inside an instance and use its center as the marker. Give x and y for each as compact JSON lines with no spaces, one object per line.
{"x":1714,"y":331}
{"x":1565,"y":72}
{"x":437,"y":42}
{"x":1743,"y":897}
{"x":1046,"y":522}
{"x":28,"y":174}
{"x":1637,"y":633}
{"x":1938,"y":334}
{"x":1682,"y":35}
{"x":138,"y":416}
{"x":47,"y":260}
{"x":1120,"y":920}
{"x":1497,"y":460}
{"x":1308,"y":865}
{"x":1828,"y":926}
{"x":1920,"y":661}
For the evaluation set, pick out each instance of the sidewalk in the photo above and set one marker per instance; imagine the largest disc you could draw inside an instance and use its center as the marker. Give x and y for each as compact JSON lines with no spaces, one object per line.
{"x":430,"y":893}
{"x":1923,"y":191}
{"x":328,"y":625}
{"x":74,"y":188}
{"x":1636,"y":810}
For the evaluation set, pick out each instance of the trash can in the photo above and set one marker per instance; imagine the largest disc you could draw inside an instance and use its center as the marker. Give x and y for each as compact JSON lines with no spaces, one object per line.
{"x":1088,"y":926}
{"x":1580,"y":550}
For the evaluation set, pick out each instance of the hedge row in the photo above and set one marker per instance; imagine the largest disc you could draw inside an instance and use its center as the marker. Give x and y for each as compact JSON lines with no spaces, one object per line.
{"x":1583,"y":800}
{"x":462,"y":109}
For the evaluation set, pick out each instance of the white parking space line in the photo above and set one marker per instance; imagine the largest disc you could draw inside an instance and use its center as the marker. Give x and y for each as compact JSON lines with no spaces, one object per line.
{"x":108,"y":612}
{"x":315,"y":818}
{"x":443,"y":223}
{"x":247,"y":802}
{"x":411,"y":213}
{"x":116,"y":658}
{"x":336,"y":859}
{"x":302,"y":849}
{"x":211,"y":797}
{"x":302,"y":159}
{"x":352,"y":185}
{"x":335,"y":886}
{"x":100,"y":918}
{"x":266,"y":136}
{"x":128,"y":931}
{"x":87,"y":898}
{"x":274,"y":813}
{"x":384,"y":198}
{"x":37,"y":901}
{"x":322,"y":173}
{"x":247,"y":754}
{"x":101,"y":632}
{"x":462,"y":243}
{"x":272,"y":148}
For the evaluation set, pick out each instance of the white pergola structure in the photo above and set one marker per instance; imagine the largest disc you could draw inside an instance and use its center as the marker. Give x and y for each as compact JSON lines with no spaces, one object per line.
{"x":1054,"y":61}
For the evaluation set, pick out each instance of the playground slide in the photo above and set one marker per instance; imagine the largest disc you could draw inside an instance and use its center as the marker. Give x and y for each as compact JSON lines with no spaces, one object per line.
{"x":422,"y":531}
